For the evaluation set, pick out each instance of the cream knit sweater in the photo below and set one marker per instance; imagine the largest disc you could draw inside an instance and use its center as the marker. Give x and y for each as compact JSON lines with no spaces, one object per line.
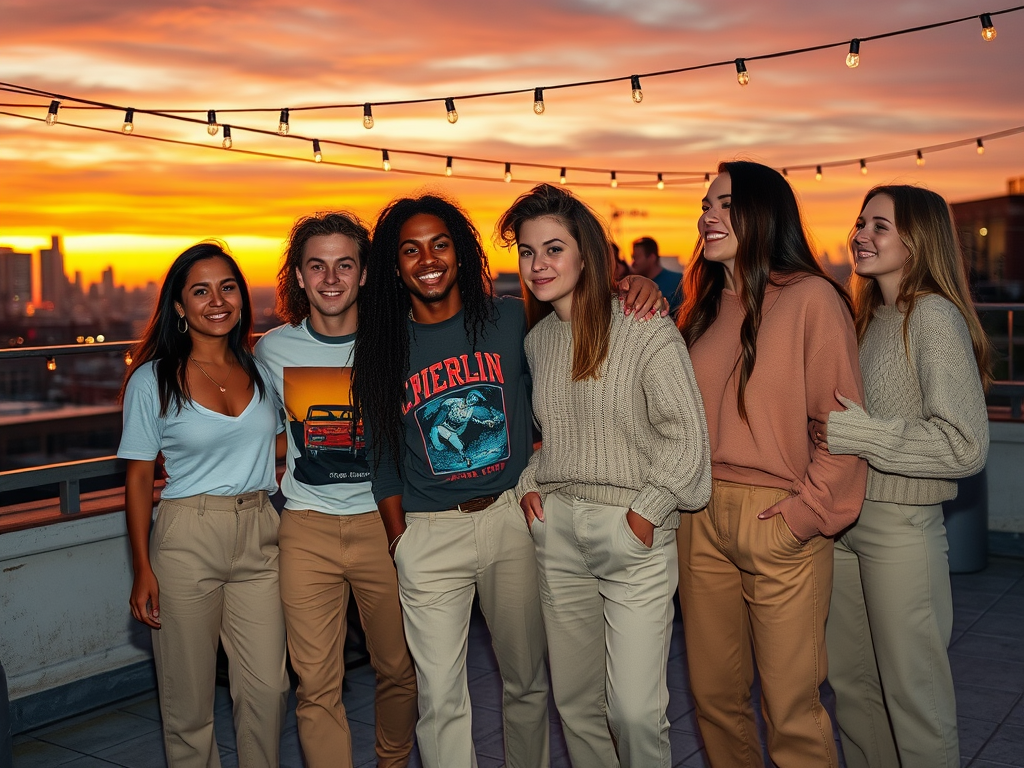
{"x":636,"y":437}
{"x":928,"y":422}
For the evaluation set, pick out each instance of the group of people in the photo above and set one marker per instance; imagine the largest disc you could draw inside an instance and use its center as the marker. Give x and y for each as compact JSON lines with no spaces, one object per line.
{"x":778,"y":456}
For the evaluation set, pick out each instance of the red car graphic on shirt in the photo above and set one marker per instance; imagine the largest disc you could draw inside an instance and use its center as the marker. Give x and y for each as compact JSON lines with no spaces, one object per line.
{"x":332,"y":428}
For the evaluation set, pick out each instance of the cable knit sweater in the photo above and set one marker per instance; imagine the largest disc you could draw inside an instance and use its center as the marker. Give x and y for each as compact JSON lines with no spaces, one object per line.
{"x":636,"y":437}
{"x":928,"y":421}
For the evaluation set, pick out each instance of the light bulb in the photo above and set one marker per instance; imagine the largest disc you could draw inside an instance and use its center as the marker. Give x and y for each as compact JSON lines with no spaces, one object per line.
{"x":51,"y":364}
{"x":367,"y":116}
{"x":785,"y":173}
{"x":211,"y":123}
{"x":863,"y":168}
{"x":988,"y":29}
{"x":508,"y":172}
{"x":742,"y":77}
{"x":817,"y":173}
{"x":129,"y":125}
{"x":448,"y":167}
{"x":661,"y":182}
{"x":51,"y":115}
{"x":385,"y":160}
{"x":317,"y":157}
{"x":128,"y":357}
{"x":453,"y":116}
{"x":538,"y":100}
{"x":561,"y":176}
{"x":634,"y":82}
{"x":920,"y":159}
{"x":282,"y":123}
{"x":707,"y":180}
{"x":981,"y":147}
{"x":853,"y":57}
{"x":227,"y":137}
{"x":614,"y":181}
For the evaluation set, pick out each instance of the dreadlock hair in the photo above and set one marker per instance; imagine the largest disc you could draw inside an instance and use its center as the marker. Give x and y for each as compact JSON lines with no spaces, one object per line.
{"x":925,"y":225}
{"x":591,"y":296}
{"x":770,"y":241}
{"x":292,"y":304}
{"x":163,"y":342}
{"x":381,"y":353}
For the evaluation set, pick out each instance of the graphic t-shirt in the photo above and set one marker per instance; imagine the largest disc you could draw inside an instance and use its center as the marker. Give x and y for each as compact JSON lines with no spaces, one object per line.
{"x":310,"y":376}
{"x":467,"y":417}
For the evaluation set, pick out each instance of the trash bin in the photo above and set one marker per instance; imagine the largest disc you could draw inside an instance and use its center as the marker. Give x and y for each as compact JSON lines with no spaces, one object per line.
{"x":967,"y":525}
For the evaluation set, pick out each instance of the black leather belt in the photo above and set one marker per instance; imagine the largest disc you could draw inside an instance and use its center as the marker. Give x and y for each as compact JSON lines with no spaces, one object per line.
{"x":477,"y":504}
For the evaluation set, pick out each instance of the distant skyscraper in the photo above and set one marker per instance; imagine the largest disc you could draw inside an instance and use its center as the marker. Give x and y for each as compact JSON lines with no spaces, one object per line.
{"x":54,"y":283}
{"x":15,"y":280}
{"x":992,"y":234}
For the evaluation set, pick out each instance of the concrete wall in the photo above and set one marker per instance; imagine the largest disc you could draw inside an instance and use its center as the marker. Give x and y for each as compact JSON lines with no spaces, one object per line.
{"x":1006,"y":477}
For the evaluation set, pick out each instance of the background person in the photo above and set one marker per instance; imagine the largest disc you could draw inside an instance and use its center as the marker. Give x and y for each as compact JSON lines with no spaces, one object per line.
{"x":625,"y":445}
{"x":332,"y":540}
{"x":209,"y":570}
{"x":647,"y":262}
{"x":772,"y":340}
{"x":925,"y":360}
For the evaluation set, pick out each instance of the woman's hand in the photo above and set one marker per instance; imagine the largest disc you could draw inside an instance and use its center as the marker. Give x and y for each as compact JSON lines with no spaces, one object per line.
{"x":819,"y":433}
{"x":771,"y":512}
{"x":532,"y":508}
{"x":641,"y":527}
{"x":145,"y":599}
{"x":641,"y":296}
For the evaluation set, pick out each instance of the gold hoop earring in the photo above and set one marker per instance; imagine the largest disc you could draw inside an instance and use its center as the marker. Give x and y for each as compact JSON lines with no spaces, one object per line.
{"x":181,"y":319}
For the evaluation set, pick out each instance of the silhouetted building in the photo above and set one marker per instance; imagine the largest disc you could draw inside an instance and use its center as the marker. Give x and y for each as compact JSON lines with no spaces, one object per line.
{"x":992,"y":234}
{"x":53,"y":281}
{"x":15,"y":281}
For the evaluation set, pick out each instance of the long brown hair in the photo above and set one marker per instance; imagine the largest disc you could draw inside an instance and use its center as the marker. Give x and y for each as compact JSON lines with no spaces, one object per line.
{"x":925,"y":225}
{"x":770,"y":241}
{"x":591,"y":298}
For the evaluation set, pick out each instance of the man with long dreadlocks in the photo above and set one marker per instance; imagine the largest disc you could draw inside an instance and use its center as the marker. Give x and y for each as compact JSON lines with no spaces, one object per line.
{"x":441,"y":379}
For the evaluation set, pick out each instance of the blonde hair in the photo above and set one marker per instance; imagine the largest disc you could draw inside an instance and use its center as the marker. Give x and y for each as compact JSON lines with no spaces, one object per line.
{"x":936,"y":265}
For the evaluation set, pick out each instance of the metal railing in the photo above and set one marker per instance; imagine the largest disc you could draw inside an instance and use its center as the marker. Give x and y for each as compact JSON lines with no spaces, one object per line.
{"x":67,"y":475}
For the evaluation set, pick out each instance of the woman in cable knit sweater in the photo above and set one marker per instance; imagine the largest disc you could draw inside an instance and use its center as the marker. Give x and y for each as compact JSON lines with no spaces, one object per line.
{"x":625,"y":447}
{"x":772,"y":340}
{"x":925,"y":360}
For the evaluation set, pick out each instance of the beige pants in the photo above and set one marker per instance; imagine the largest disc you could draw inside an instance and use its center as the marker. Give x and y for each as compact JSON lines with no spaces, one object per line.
{"x":443,"y":558}
{"x":746,"y":581}
{"x":608,"y":614}
{"x":324,"y":559}
{"x":215,"y":559}
{"x":888,"y":630}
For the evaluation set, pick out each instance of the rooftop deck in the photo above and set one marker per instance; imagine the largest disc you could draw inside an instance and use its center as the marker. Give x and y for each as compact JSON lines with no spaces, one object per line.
{"x":987,"y":653}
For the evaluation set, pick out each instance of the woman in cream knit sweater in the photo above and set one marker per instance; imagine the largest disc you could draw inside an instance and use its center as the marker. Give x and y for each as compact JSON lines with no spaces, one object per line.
{"x":625,"y":447}
{"x":924,"y":359}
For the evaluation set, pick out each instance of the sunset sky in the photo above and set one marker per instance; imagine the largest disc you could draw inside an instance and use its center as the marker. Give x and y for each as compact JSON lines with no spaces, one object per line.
{"x":136,"y":204}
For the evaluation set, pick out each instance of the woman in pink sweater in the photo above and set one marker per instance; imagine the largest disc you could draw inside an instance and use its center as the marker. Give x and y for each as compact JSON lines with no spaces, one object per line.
{"x":772,"y":341}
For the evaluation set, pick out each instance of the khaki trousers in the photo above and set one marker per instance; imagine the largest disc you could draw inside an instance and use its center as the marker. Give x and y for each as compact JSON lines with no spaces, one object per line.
{"x":746,"y":581}
{"x":888,"y":630}
{"x":443,"y":558}
{"x":608,"y":612}
{"x":215,"y":559}
{"x":324,"y":558}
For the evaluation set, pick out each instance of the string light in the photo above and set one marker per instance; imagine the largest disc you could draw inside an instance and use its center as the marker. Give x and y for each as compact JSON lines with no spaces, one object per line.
{"x":282,"y":123}
{"x":981,"y":147}
{"x":707,"y":181}
{"x":385,"y":160}
{"x":367,"y":116}
{"x":453,"y":116}
{"x":561,"y":176}
{"x":317,"y":156}
{"x":51,"y":364}
{"x":128,"y":357}
{"x":785,"y":173}
{"x":51,"y":115}
{"x":661,"y":182}
{"x":227,"y":137}
{"x":634,"y":82}
{"x":853,"y":57}
{"x":508,"y":172}
{"x":211,"y":123}
{"x":742,"y":77}
{"x":448,"y":167}
{"x":817,"y":173}
{"x":920,"y":159}
{"x":538,"y":101}
{"x":863,"y":167}
{"x":129,"y":117}
{"x":614,"y":181}
{"x":988,"y":29}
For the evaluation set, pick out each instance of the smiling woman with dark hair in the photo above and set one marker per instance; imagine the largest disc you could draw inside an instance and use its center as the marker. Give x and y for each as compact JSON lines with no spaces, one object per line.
{"x":208,"y":572}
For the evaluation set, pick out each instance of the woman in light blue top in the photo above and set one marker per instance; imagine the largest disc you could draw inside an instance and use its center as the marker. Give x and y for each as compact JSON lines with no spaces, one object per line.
{"x":208,"y":571}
